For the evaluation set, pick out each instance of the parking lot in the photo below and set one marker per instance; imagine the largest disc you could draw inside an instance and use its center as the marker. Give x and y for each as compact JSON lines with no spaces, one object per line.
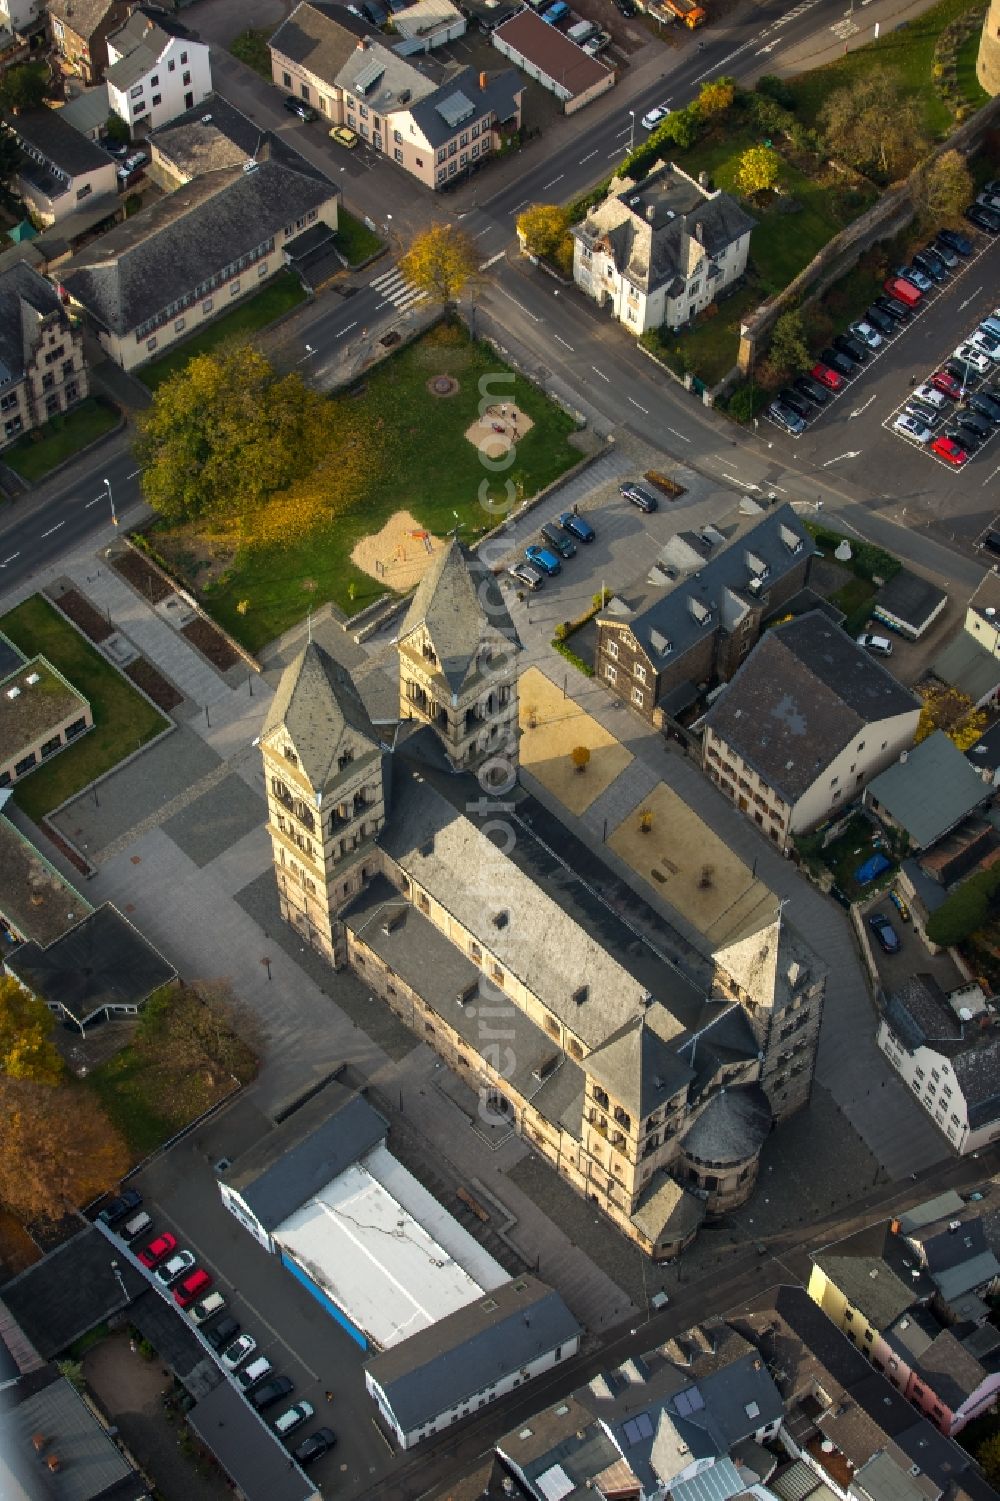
{"x":913,"y":957}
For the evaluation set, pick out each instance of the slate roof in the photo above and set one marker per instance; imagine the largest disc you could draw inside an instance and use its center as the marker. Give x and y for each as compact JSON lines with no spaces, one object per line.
{"x":60,"y":143}
{"x":25,"y":299}
{"x":34,"y":898}
{"x":319,"y":37}
{"x":804,"y":693}
{"x":164,"y":252}
{"x":315,"y":703}
{"x":92,"y":1467}
{"x":910,"y":599}
{"x":985,"y":754}
{"x":919,"y":1012}
{"x":439,"y":1367}
{"x":142,"y":42}
{"x":308,"y":1150}
{"x":211,"y":135}
{"x":660,"y":229}
{"x":71,"y":1290}
{"x":666,"y":1206}
{"x":868,"y":1269}
{"x":459,"y":603}
{"x":967,"y":665}
{"x":499,"y":98}
{"x":82,"y":16}
{"x":640,"y":1066}
{"x":551,"y":52}
{"x":770,"y":961}
{"x":732,"y":1126}
{"x":102,"y":961}
{"x":931,"y":791}
{"x":250,"y":1453}
{"x":398,"y":82}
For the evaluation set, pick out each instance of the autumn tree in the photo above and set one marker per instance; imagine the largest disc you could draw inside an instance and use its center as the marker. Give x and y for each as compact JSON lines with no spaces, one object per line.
{"x":544,"y":228}
{"x":26,"y":1047}
{"x":788,"y":349}
{"x":441,"y":261}
{"x":199,"y":1031}
{"x":948,"y":709}
{"x":60,"y":1150}
{"x":681,"y":128}
{"x":873,"y":126}
{"x":24,"y":87}
{"x":943,"y":189}
{"x":11,"y":159}
{"x":715,"y":97}
{"x":757,"y":170}
{"x":580,"y":757}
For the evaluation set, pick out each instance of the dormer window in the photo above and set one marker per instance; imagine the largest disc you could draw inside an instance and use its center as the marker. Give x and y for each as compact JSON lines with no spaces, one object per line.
{"x":791,"y":539}
{"x":430,"y":655}
{"x":344,"y":759}
{"x":290,"y":756}
{"x":700,"y":612}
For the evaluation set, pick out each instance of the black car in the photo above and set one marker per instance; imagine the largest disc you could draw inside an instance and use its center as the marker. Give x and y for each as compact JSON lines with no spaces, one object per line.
{"x":931,"y":264}
{"x":301,"y":108}
{"x":964,"y":437}
{"x":944,"y":250}
{"x":881,"y":320}
{"x":639,"y":497}
{"x":983,"y":218}
{"x":853,"y":348}
{"x":626,"y":8}
{"x":786,"y":418}
{"x":119,"y":1208}
{"x":927,"y":414}
{"x":271,"y":1391}
{"x":223,"y":1333}
{"x":796,"y":401}
{"x":971,"y":422}
{"x":958,"y":368}
{"x":315,"y":1446}
{"x":842,"y":363}
{"x":558,"y":540}
{"x":985,"y":405}
{"x":885,"y":933}
{"x":576,"y":526}
{"x":811,"y":389}
{"x":991,"y":539}
{"x":956,"y":241}
{"x":896,"y":310}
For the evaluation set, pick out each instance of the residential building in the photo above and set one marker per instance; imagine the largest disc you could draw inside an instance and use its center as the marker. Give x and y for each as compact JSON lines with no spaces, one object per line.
{"x":928,"y":792}
{"x":80,"y":31}
{"x":553,"y":60}
{"x":434,"y":123}
{"x":882,"y":1287}
{"x":909,"y":604}
{"x":24,"y":19}
{"x":40,"y":714}
{"x":805,"y":723}
{"x":184,"y":259}
{"x":62,"y":172}
{"x":212,"y":136}
{"x":700,"y":609}
{"x":971,"y":660}
{"x":88,"y":112}
{"x":428,"y":24}
{"x":650,"y":1090}
{"x":42,"y":368}
{"x":946,"y":1047}
{"x":659,"y":250}
{"x":470,"y":1358}
{"x":156,"y":70}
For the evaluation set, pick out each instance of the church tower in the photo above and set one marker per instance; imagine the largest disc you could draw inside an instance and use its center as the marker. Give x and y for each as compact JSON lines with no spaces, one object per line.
{"x":458,"y":666}
{"x":326,"y":774}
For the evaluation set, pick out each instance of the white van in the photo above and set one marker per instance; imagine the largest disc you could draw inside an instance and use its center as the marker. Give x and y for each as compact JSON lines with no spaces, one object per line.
{"x":581,"y":32}
{"x":137,"y":1225}
{"x":206,"y":1308}
{"x":254,"y":1372}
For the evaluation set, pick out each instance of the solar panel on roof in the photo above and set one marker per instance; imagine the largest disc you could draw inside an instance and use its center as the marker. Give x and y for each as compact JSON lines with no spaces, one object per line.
{"x":456,"y":108}
{"x":369,"y":77}
{"x":638,"y":1428}
{"x":688,"y":1401}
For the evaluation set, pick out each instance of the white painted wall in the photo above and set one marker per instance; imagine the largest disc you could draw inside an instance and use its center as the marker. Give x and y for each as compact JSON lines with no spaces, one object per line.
{"x":162,"y":94}
{"x":949,"y":1113}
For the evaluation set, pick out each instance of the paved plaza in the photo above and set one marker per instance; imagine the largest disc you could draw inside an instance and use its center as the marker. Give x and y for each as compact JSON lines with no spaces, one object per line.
{"x":553,"y":726}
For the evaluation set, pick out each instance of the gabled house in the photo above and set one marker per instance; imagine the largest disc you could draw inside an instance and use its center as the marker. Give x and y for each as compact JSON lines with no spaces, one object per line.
{"x":156,"y":70}
{"x":42,"y":373}
{"x":80,"y":31}
{"x":971,"y":660}
{"x":928,"y":792}
{"x":62,"y":172}
{"x":659,"y":251}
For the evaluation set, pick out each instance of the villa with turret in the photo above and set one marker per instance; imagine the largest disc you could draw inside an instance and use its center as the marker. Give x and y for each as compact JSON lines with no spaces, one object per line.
{"x":399,"y":851}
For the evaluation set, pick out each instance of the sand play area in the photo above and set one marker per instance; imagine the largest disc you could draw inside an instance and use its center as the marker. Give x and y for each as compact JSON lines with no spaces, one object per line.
{"x":399,"y":554}
{"x":691,"y":868}
{"x":496,"y":432}
{"x":552,"y":726}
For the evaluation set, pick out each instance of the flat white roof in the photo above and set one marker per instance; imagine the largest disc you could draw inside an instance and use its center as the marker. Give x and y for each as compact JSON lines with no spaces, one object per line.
{"x":387,"y":1253}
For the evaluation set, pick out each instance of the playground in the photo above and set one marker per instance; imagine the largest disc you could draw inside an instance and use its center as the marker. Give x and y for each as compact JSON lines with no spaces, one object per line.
{"x":498,"y":430}
{"x":398,"y":554}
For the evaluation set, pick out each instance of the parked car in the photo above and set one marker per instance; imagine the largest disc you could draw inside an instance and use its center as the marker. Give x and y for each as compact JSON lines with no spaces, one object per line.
{"x":899,"y":904}
{"x":139,"y":1224}
{"x":880,"y":319}
{"x":168,"y":1272}
{"x":964,"y":438}
{"x":558,"y":540}
{"x":344,"y":136}
{"x":253,"y":1374}
{"x":946,"y":448}
{"x":157,"y":1249}
{"x":983,"y":218}
{"x":912,"y":427}
{"x":315,"y":1446}
{"x":236,"y":1353}
{"x":293,"y":1417}
{"x":855,"y":349}
{"x":826,"y":376}
{"x":301,"y":108}
{"x":897,"y":311}
{"x":639,"y":496}
{"x":885,"y":933}
{"x":984,"y":405}
{"x":206,"y":1308}
{"x":945,"y":382}
{"x":794,"y":399}
{"x":841,"y":363}
{"x":973,"y":423}
{"x":873,"y":867}
{"x":915,"y":277}
{"x":931,"y":265}
{"x":577,"y":527}
{"x":271,"y":1391}
{"x":132,"y":164}
{"x":991,"y":325}
{"x":626,"y":8}
{"x":929,"y":394}
{"x":655,"y":116}
{"x":880,"y":645}
{"x":192,"y":1287}
{"x":524,"y":573}
{"x":953,"y":239}
{"x":985,"y":343}
{"x":785,"y":418}
{"x":991,"y":539}
{"x":866,"y":334}
{"x":125,"y":1203}
{"x":541,"y":557}
{"x":969,"y":355}
{"x":816,"y":392}
{"x":946,"y":252}
{"x":926,"y":415}
{"x":223,"y":1333}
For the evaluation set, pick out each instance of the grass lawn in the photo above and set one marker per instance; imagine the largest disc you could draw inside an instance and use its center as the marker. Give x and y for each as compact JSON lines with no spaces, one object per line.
{"x":61,"y":438}
{"x":428,"y":467}
{"x":123,"y":721}
{"x":969,"y":85}
{"x":280,"y":294}
{"x":251,"y":48}
{"x":128,"y":1088}
{"x":355,"y":240}
{"x":906,"y":52}
{"x":711,"y":346}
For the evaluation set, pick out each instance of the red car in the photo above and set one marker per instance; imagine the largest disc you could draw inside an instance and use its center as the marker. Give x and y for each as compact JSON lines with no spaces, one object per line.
{"x":944,"y":381}
{"x":158,"y":1248}
{"x":827,"y":377}
{"x":948,"y":449}
{"x":193,"y":1285}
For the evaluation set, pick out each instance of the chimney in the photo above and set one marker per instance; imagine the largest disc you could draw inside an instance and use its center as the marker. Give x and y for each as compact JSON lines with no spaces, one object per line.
{"x":54,"y":1463}
{"x":362,"y":44}
{"x":483,"y":80}
{"x":699,"y":233}
{"x":39,"y":1441}
{"x":650,"y":212}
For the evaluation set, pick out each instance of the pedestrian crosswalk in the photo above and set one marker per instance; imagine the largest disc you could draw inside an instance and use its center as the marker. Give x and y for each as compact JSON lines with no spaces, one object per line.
{"x":393,"y":287}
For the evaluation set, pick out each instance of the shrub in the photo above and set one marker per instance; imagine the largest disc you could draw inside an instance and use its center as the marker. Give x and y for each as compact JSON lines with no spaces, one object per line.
{"x":773,"y":87}
{"x":965,"y":910}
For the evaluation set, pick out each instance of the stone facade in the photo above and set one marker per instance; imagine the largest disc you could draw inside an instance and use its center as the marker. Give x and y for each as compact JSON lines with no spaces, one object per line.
{"x":988,"y":63}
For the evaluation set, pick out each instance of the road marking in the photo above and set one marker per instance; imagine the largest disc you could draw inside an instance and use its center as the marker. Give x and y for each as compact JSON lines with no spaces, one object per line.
{"x":52,"y":529}
{"x":587,"y":158}
{"x":593,"y":367}
{"x":10,"y":559}
{"x":738,"y":483}
{"x":858,"y":410}
{"x":89,"y":503}
{"x":643,"y":410}
{"x":564,"y":344}
{"x":521,"y":305}
{"x":493,"y":260}
{"x":133,"y":474}
{"x":769,"y":48}
{"x":547,"y":185}
{"x":852,"y":453}
{"x":617,"y":152}
{"x":623,"y":132}
{"x":683,"y":436}
{"x":963,"y":305}
{"x":989,"y":479}
{"x":517,"y":209}
{"x":488,"y":230}
{"x":340,"y":334}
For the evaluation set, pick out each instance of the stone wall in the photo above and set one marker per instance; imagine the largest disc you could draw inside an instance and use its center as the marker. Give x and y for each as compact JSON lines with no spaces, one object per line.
{"x":988,"y":64}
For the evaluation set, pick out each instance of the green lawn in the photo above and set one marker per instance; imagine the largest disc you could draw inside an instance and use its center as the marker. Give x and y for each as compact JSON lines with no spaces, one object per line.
{"x":969,"y":85}
{"x":123,"y":1086}
{"x":251,"y":48}
{"x":355,"y":240}
{"x":61,"y":438}
{"x":123,"y":720}
{"x":428,"y":467}
{"x":280,"y":295}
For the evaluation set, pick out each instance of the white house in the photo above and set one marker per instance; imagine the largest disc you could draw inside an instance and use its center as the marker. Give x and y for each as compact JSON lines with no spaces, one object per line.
{"x":156,"y":71}
{"x":660,"y":250}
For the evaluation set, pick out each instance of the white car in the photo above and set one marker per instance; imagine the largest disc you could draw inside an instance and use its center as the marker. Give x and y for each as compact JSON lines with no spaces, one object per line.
{"x":236,"y":1353}
{"x":911,"y":428}
{"x":969,"y":355}
{"x":655,"y":117}
{"x":986,"y":343}
{"x":879,"y":644}
{"x":292,"y":1418}
{"x":931,"y":396}
{"x":868,"y":335}
{"x":174,"y":1268}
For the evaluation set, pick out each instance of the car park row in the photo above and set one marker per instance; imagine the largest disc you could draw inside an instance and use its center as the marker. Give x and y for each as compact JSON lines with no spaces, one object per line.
{"x":956,"y":410}
{"x":544,"y":559}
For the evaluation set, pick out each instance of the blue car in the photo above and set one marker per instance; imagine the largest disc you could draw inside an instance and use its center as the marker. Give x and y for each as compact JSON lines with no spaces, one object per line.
{"x":577,"y":527}
{"x":540,"y":557}
{"x":885,"y":933}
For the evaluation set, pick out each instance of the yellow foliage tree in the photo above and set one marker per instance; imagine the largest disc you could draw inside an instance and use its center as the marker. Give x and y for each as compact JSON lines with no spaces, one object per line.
{"x":580,"y":757}
{"x":948,"y":709}
{"x":344,"y":462}
{"x":441,"y":261}
{"x":544,"y":227}
{"x":943,"y":189}
{"x":715,"y":97}
{"x":26,"y":1047}
{"x":757,"y":170}
{"x":59,"y":1149}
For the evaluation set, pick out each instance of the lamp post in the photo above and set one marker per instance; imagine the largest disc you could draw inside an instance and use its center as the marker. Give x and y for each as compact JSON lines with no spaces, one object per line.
{"x":111,"y":502}
{"x":631,"y":133}
{"x":121,"y":1284}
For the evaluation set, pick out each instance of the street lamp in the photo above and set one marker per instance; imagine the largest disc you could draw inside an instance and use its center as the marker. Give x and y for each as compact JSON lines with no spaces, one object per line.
{"x":631,"y":133}
{"x":121,"y":1284}
{"x":111,"y":502}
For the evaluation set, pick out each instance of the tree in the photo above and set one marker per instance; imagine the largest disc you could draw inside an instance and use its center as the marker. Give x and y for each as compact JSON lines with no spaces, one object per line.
{"x":10,"y":165}
{"x":681,"y":128}
{"x":26,"y":1047}
{"x":948,"y":709}
{"x":942,"y":189}
{"x":441,"y":261}
{"x":757,"y":170}
{"x":116,"y":130}
{"x":789,"y":350}
{"x":580,"y":757}
{"x":200,"y":1030}
{"x":25,"y":87}
{"x":715,"y":97}
{"x":874,"y":127}
{"x":544,"y":228}
{"x":60,"y":1149}
{"x":965,"y":910}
